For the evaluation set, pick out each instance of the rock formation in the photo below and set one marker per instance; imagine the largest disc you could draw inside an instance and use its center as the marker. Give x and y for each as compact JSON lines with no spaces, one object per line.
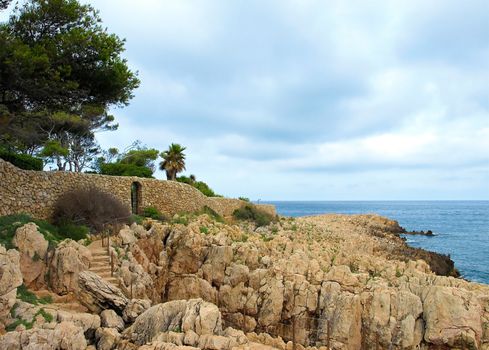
{"x":331,"y":281}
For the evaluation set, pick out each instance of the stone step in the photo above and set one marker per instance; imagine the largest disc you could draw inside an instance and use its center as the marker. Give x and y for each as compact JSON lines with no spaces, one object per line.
{"x":99,"y":252}
{"x":101,"y":259}
{"x":99,"y":269}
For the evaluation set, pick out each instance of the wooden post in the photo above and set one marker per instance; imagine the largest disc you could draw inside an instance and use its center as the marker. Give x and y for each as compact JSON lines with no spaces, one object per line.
{"x":111,"y":264}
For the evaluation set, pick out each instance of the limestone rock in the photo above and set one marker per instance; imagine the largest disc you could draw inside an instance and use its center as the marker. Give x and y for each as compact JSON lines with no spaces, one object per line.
{"x":81,"y":319}
{"x":10,"y":279}
{"x":32,"y":247}
{"x":65,"y":336}
{"x":134,"y":308}
{"x":452,"y":316}
{"x":98,"y":295}
{"x":179,"y":315}
{"x":110,"y":319}
{"x":30,"y":241}
{"x":107,"y":338}
{"x":70,"y":258}
{"x":127,"y":236}
{"x":191,"y":286}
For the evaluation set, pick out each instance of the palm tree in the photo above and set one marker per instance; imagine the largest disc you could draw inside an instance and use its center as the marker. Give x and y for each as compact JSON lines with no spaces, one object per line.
{"x":173,"y":161}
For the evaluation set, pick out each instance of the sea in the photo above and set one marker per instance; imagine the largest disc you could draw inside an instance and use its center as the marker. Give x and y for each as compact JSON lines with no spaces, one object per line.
{"x":461,"y":228}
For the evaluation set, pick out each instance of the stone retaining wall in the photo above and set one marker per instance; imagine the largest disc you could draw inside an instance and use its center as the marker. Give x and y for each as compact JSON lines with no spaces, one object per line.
{"x":36,"y":192}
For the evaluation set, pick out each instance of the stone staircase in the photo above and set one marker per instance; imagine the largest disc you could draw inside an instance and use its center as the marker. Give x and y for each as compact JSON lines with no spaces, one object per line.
{"x":100,"y":263}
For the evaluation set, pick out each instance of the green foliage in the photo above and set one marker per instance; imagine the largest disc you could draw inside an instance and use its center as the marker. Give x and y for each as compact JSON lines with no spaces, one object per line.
{"x":252,"y":213}
{"x":173,"y":161}
{"x":22,"y":161}
{"x":210,"y":212}
{"x":136,"y":218}
{"x":204,"y":230}
{"x":200,"y":185}
{"x":28,"y":324}
{"x":181,"y":219}
{"x":26,"y":295}
{"x":246,"y":199}
{"x":71,"y":230}
{"x":137,"y":160}
{"x":9,"y":224}
{"x":60,"y":72}
{"x":152,"y":212}
{"x":121,"y":169}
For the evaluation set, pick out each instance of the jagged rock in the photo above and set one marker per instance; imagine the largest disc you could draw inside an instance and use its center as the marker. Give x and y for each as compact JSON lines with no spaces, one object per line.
{"x":215,"y":264}
{"x":81,"y":319}
{"x":158,"y":345}
{"x":178,"y":315}
{"x":236,"y":273}
{"x":110,"y":319}
{"x":136,"y":281}
{"x":452,"y":316}
{"x":216,"y":342}
{"x":134,"y":308}
{"x":107,"y":338}
{"x":64,"y":336}
{"x":10,"y":279}
{"x":191,"y":286}
{"x":98,"y":295}
{"x":127,"y":236}
{"x":32,"y":247}
{"x":70,"y":258}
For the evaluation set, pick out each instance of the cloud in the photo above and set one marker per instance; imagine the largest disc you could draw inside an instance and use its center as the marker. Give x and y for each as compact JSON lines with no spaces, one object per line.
{"x":307,"y":99}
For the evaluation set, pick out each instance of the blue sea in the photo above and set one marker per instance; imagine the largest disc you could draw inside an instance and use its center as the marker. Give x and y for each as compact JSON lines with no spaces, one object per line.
{"x":461,"y":228}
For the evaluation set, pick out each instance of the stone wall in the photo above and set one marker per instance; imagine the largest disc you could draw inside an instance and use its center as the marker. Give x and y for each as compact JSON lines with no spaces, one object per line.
{"x":36,"y":192}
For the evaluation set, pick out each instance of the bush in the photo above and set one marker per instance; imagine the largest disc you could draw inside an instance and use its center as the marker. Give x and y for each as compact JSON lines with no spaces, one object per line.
{"x":91,"y":207}
{"x":252,"y":213}
{"x":123,"y":169}
{"x":153,"y":213}
{"x":75,"y":232}
{"x":22,"y":161}
{"x":200,"y":185}
{"x":246,"y":199}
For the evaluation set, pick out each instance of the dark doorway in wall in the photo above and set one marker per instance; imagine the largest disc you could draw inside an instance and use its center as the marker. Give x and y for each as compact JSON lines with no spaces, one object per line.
{"x":136,"y":198}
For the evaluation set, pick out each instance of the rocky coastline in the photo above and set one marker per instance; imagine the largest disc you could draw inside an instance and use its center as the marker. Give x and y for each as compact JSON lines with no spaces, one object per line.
{"x":321,"y":282}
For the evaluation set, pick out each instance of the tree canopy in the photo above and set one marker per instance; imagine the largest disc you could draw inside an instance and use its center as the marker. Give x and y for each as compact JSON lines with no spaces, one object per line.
{"x":60,"y":72}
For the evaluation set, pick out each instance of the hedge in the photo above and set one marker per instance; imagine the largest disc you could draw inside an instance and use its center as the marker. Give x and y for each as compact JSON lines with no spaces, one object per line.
{"x":23,"y":161}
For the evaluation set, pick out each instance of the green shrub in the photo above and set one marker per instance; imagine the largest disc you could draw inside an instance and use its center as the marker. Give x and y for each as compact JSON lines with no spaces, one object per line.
{"x":204,"y":230}
{"x":22,"y":161}
{"x":153,"y":213}
{"x":26,"y":295}
{"x":246,"y":199}
{"x":210,"y":212}
{"x":252,"y":213}
{"x":136,"y":218}
{"x":200,"y":185}
{"x":10,"y":223}
{"x":73,"y":231}
{"x":125,"y":169}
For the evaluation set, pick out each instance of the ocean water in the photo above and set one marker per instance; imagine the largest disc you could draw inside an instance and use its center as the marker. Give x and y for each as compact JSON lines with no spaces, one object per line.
{"x":461,"y":228}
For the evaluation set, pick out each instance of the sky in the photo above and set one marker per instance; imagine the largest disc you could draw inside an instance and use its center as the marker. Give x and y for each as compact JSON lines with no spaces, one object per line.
{"x":312,"y":100}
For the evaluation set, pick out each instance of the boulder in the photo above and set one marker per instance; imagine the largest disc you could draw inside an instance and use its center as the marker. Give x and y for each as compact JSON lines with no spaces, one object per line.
{"x":452,"y":315}
{"x":107,"y":338}
{"x":97,"y":294}
{"x":127,"y":236}
{"x":191,"y":286}
{"x":110,"y":319}
{"x":70,"y":258}
{"x":179,"y":315}
{"x":134,"y":308}
{"x":65,"y":336}
{"x":88,"y":322}
{"x":10,"y":279}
